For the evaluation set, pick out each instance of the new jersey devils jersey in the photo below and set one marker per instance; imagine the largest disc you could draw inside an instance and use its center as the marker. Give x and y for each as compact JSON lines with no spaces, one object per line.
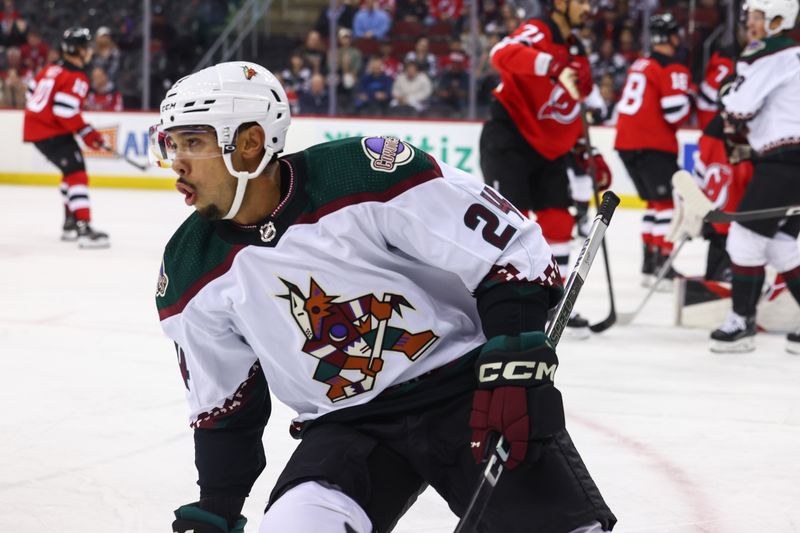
{"x":543,"y":111}
{"x":724,"y":183}
{"x":55,"y":106}
{"x":719,"y":67}
{"x":654,"y":103}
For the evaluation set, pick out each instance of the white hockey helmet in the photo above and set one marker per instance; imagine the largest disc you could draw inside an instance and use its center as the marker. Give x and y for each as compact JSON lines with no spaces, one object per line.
{"x":786,"y":9}
{"x":224,"y":97}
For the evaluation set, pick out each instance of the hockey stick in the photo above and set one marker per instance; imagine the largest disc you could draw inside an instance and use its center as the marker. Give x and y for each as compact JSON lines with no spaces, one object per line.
{"x":612,"y":313}
{"x":496,"y":463}
{"x":127,"y":159}
{"x":696,"y":208}
{"x":626,"y":318}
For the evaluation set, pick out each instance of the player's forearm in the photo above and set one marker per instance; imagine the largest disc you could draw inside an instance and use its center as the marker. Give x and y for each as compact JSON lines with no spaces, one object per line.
{"x":513,"y":308}
{"x":228,"y":462}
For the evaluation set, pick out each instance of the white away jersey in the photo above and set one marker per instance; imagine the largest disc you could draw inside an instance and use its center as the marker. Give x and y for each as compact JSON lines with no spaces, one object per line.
{"x":767,"y":94}
{"x":362,"y":278}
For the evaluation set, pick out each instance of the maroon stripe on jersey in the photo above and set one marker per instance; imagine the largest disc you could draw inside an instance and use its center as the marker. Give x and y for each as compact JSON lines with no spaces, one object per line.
{"x":377,"y":196}
{"x":192,"y":291}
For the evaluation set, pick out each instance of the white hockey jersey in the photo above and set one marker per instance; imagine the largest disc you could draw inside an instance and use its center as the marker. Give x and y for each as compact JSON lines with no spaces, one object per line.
{"x":361,"y":279}
{"x":766,"y":94}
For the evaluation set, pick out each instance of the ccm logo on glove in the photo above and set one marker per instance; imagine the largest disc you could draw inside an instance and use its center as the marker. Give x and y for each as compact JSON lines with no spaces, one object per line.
{"x":516,"y":370}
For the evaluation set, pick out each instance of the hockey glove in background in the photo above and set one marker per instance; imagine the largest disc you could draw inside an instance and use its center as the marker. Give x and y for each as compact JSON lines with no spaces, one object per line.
{"x":191,"y":518}
{"x":516,"y":396}
{"x":602,"y":175}
{"x":92,"y":138}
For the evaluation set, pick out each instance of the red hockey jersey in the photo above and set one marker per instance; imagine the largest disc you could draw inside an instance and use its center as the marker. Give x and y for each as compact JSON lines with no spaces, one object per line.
{"x":719,"y":67}
{"x":545,"y":114}
{"x":654,"y":103}
{"x":55,"y":106}
{"x":724,"y":183}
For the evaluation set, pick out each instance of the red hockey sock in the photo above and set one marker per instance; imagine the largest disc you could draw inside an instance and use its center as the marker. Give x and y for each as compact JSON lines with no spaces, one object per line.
{"x":77,"y":194}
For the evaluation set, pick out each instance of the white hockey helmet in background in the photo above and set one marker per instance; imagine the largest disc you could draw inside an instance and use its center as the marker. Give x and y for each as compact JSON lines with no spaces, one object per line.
{"x":786,"y":9}
{"x":224,"y":97}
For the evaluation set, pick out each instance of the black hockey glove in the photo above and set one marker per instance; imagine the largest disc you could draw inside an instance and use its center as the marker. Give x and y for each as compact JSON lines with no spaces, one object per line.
{"x":516,"y":396}
{"x":191,"y":518}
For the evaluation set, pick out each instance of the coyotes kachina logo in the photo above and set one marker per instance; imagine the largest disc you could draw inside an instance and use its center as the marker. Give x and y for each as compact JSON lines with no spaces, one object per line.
{"x":249,"y":72}
{"x":350,"y":337}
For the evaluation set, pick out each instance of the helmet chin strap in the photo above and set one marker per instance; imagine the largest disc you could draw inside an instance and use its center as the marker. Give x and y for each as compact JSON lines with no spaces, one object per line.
{"x":242,"y":178}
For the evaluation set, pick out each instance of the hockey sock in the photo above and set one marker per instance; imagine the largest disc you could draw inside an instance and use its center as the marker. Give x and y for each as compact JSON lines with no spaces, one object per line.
{"x":662,"y":219}
{"x":77,"y":194}
{"x":717,"y":260}
{"x":648,"y":219}
{"x":746,"y":285}
{"x":792,"y":279}
{"x":556,"y":224}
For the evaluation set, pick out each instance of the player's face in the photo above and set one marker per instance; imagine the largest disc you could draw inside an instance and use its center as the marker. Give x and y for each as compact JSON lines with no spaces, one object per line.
{"x":203,"y":179}
{"x":579,"y":11}
{"x":756,"y":26}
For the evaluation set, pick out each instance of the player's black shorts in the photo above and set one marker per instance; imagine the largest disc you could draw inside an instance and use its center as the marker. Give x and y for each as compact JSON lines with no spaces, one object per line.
{"x":524,"y":176}
{"x":651,"y":172}
{"x":775,"y":183}
{"x":384,"y":463}
{"x":63,"y":151}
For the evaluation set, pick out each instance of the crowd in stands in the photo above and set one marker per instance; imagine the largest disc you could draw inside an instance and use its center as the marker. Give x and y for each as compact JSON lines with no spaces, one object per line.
{"x":393,"y":57}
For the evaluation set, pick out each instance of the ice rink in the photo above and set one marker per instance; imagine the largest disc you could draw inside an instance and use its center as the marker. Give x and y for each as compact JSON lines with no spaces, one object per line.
{"x":94,"y":435}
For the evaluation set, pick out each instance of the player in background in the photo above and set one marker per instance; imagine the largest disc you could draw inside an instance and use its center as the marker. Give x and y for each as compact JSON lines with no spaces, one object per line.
{"x":654,"y":103}
{"x":760,"y":109}
{"x":394,"y":302}
{"x":53,"y":118}
{"x":723,"y":171}
{"x":535,"y":120}
{"x":720,"y":66}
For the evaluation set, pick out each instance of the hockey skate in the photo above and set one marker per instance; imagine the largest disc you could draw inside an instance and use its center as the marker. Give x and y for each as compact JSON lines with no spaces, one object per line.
{"x":69,"y":232}
{"x":736,"y":335}
{"x":89,"y":238}
{"x":666,"y":284}
{"x":793,"y":342}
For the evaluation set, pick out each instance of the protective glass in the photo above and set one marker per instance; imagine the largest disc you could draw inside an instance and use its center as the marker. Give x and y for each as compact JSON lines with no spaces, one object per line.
{"x":164,"y":146}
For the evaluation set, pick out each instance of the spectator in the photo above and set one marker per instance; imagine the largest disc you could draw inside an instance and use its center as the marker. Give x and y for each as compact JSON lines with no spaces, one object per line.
{"x":297,"y":77}
{"x":425,"y":60}
{"x":587,"y":38}
{"x":456,"y":54}
{"x":291,"y":95}
{"x":608,"y":26}
{"x":316,"y":99}
{"x":609,"y":96}
{"x":14,"y":80}
{"x":488,"y":77}
{"x":104,"y":95}
{"x":12,"y":26}
{"x":106,"y":53}
{"x":453,"y":87}
{"x":446,"y":10}
{"x":374,"y":89}
{"x":371,"y":22}
{"x":34,"y":51}
{"x":391,"y":66}
{"x":349,"y":62}
{"x":628,"y":48}
{"x":387,"y":5}
{"x":411,"y":11}
{"x":342,"y":12}
{"x":412,"y":88}
{"x":606,"y":61}
{"x":314,"y":53}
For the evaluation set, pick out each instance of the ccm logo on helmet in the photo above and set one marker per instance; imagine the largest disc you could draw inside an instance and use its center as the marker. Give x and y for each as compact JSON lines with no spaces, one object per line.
{"x":511,"y":370}
{"x":167,"y":107}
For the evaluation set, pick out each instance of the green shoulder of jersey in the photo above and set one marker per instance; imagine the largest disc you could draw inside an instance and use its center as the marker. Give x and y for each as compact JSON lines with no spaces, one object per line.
{"x":352,"y":170}
{"x":193,"y":253}
{"x":771,"y":45}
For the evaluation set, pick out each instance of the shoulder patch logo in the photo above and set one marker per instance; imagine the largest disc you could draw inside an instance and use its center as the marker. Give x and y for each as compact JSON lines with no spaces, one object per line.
{"x":163,"y":282}
{"x":387,"y":153}
{"x":249,"y":72}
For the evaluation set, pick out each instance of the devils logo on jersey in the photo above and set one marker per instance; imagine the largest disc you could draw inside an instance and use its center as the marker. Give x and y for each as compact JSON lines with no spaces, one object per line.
{"x":559,"y":107}
{"x":717,"y":180}
{"x":350,"y":337}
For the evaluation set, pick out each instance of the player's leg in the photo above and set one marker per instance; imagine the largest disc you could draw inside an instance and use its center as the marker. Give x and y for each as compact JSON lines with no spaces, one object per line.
{"x":505,"y":163}
{"x":783,"y":254}
{"x":657,"y":169}
{"x":631,"y":160}
{"x":552,"y":493}
{"x":581,"y":190}
{"x":341,"y":477}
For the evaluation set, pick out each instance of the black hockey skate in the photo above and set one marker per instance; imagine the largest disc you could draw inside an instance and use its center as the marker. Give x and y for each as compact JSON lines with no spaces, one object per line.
{"x":793,"y":342}
{"x":89,"y":238}
{"x":69,"y":232}
{"x":736,"y":335}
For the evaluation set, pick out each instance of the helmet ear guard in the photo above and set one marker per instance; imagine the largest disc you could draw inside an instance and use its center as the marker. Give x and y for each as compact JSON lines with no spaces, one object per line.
{"x":224,"y":97}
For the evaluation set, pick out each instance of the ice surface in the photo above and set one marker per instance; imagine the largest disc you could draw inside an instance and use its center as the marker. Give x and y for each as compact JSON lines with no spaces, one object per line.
{"x":93,"y":432}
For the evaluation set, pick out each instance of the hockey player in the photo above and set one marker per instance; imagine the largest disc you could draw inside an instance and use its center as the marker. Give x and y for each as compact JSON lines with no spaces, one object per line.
{"x":654,"y":103}
{"x":535,"y":120}
{"x":358,"y":281}
{"x":761,"y":109}
{"x":53,"y":118}
{"x":720,"y":67}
